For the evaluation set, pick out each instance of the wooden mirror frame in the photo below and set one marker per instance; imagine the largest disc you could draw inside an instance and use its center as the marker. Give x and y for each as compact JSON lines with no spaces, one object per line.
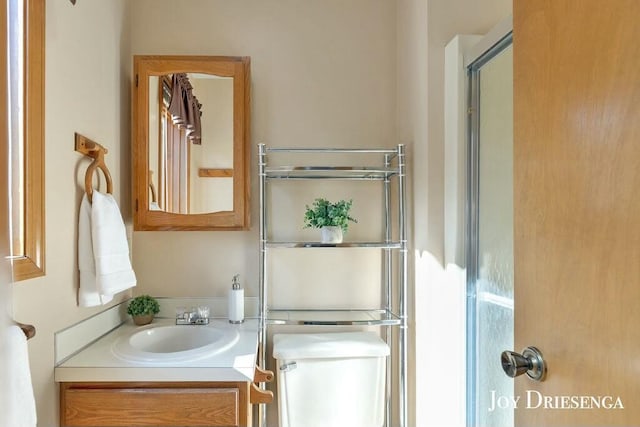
{"x":226,"y":66}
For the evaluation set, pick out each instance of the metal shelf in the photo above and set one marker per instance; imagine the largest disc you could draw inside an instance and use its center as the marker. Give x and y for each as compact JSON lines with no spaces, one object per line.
{"x":362,"y":173}
{"x":333,"y":317}
{"x":378,"y":245}
{"x":387,"y":164}
{"x":390,"y":151}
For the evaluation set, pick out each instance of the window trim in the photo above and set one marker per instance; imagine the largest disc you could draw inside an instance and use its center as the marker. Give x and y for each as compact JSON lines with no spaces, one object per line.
{"x":4,"y":149}
{"x":32,"y":262}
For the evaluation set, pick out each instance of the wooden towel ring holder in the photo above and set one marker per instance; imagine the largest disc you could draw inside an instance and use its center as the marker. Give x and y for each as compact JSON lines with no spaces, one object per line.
{"x":28,"y":330}
{"x":96,"y":151}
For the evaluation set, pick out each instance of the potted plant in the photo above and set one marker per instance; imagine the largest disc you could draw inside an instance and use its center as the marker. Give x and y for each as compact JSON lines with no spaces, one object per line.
{"x":142,"y":309}
{"x":331,"y":218}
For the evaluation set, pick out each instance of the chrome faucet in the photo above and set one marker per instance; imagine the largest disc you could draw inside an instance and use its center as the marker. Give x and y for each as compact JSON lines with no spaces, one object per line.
{"x":197,"y":316}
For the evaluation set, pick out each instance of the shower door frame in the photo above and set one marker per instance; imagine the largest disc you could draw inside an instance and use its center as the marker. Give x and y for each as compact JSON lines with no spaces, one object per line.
{"x":494,"y":43}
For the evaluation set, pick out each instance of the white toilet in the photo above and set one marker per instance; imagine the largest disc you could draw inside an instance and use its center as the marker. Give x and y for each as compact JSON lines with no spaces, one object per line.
{"x":330,"y":380}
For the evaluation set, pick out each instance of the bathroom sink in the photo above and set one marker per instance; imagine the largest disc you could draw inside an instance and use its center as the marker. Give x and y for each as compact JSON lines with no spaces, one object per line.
{"x":172,"y":339}
{"x":173,"y":343}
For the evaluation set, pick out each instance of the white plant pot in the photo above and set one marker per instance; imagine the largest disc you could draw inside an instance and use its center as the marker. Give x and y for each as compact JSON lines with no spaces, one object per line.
{"x":331,"y":234}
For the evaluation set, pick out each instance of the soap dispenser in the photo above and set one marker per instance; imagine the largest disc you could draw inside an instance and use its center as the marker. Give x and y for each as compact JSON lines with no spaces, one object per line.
{"x":236,"y":301}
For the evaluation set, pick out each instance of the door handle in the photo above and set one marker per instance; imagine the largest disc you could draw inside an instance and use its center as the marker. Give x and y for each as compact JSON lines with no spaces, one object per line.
{"x":530,"y":362}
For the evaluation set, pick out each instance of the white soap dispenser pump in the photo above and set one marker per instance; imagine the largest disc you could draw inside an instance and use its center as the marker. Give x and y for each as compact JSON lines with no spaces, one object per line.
{"x":236,"y":302}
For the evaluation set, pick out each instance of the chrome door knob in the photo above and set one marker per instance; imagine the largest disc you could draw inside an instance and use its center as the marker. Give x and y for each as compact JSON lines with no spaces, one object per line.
{"x":530,"y":362}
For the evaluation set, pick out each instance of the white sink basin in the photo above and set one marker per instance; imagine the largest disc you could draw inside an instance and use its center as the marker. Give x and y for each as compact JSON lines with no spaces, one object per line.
{"x":173,"y":343}
{"x":172,"y":339}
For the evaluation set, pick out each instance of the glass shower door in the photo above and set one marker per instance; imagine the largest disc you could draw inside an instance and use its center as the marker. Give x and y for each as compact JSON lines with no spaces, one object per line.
{"x":490,"y":237}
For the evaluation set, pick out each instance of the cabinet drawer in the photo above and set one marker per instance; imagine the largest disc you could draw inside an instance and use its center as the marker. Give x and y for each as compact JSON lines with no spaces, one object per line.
{"x":167,"y":407}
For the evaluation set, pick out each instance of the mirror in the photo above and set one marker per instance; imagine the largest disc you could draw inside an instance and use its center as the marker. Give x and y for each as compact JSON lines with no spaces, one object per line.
{"x":190,"y":143}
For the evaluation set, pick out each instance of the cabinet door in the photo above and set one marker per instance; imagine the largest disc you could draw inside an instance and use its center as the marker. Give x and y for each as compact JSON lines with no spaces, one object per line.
{"x":151,"y":406}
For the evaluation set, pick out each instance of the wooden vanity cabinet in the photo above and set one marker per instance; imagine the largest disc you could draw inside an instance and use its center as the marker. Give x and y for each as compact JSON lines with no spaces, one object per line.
{"x":167,"y":404}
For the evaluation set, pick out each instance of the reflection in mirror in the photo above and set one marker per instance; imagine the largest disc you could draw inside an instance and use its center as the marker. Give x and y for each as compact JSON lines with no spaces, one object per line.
{"x":195,"y":174}
{"x":190,"y":143}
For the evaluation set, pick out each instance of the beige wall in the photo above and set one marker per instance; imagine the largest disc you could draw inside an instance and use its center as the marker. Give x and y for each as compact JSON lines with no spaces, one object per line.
{"x":324,"y":73}
{"x":424,"y":28}
{"x":87,"y":91}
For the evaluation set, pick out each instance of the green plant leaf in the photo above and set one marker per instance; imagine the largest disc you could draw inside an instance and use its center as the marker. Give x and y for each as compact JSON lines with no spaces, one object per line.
{"x":323,"y":213}
{"x":143,"y":304}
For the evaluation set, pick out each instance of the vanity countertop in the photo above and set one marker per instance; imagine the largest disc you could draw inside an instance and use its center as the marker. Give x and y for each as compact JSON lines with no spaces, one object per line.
{"x":98,"y":362}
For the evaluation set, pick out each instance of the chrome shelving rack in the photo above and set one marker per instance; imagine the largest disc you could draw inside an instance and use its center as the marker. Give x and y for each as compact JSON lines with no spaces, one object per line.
{"x":393,"y":168}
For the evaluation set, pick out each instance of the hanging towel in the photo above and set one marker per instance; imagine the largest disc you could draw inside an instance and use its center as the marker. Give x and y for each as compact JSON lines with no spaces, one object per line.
{"x":110,"y":249}
{"x":103,"y":252}
{"x":88,"y":294}
{"x":18,"y":402}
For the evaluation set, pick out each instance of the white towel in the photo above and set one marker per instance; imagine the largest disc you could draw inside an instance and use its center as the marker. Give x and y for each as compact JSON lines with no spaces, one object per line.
{"x":88,"y":294}
{"x":103,"y":252}
{"x":18,"y":403}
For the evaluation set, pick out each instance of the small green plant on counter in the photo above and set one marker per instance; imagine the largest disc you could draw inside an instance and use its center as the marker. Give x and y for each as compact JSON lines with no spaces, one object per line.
{"x":143,"y":305}
{"x":323,"y":213}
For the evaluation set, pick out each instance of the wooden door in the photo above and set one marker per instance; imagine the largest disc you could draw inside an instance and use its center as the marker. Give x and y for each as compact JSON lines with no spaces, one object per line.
{"x":577,"y":208}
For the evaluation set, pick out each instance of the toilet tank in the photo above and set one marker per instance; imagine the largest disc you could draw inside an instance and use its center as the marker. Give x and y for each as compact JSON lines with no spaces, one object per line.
{"x":330,"y":380}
